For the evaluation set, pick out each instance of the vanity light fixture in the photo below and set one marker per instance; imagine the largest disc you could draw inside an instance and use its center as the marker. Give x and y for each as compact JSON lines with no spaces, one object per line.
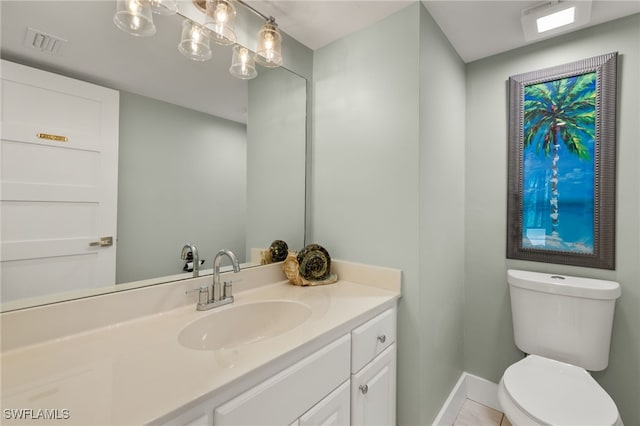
{"x":134,"y":17}
{"x":220,"y":19}
{"x":554,"y":17}
{"x":269,"y":50}
{"x":243,"y":65}
{"x":194,"y":43}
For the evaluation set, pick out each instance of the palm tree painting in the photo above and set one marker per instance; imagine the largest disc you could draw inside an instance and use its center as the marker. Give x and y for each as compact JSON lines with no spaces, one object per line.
{"x":559,"y":130}
{"x":561,"y":189}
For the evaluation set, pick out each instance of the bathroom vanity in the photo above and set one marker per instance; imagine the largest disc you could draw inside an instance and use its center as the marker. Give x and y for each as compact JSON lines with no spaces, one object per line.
{"x":282,"y":354}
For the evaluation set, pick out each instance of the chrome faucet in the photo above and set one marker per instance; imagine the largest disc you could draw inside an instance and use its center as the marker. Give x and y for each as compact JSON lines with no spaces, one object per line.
{"x":218,"y":296}
{"x":191,"y":248}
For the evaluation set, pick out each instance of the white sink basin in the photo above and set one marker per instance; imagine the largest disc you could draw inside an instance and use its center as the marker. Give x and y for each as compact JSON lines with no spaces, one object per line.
{"x":243,"y":324}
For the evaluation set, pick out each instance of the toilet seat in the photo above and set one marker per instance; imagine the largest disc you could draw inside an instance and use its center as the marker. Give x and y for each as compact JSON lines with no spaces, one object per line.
{"x":555,"y":393}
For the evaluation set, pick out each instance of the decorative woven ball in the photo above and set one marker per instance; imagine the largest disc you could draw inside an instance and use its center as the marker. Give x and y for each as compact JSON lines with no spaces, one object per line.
{"x":314,"y":263}
{"x":278,"y":250}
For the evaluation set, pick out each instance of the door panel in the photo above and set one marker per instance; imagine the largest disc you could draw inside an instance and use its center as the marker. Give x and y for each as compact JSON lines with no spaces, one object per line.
{"x":59,"y":166}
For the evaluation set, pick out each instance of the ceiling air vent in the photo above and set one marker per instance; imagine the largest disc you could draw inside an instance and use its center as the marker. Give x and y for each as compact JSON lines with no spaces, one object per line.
{"x":44,"y":42}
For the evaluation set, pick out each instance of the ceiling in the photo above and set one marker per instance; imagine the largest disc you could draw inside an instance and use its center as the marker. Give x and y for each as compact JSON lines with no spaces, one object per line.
{"x":478,"y":29}
{"x":316,"y":23}
{"x":475,"y":28}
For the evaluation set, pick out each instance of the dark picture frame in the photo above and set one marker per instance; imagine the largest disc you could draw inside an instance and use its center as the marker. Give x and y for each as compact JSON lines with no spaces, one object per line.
{"x":562,"y":164}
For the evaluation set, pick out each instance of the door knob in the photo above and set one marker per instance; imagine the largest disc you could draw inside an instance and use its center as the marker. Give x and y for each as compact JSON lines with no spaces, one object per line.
{"x":364,"y":389}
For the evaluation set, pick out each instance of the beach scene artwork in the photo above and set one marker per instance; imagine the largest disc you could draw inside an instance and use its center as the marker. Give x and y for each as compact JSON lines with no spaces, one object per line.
{"x":558,"y":164}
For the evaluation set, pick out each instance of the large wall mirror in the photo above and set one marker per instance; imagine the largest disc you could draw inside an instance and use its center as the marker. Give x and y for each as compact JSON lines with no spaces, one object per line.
{"x":203,"y":157}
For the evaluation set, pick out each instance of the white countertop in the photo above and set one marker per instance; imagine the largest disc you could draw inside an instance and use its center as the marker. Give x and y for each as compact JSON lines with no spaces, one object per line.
{"x":136,"y":372}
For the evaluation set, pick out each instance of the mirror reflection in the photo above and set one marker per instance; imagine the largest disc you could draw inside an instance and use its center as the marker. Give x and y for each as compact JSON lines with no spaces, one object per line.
{"x":203,"y":158}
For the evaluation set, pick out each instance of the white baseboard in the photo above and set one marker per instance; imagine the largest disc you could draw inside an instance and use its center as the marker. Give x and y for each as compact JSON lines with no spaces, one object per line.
{"x":453,"y":404}
{"x":471,"y":387}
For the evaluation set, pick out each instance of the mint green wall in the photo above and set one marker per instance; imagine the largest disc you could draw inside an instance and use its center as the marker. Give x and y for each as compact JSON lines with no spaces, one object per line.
{"x":174,"y":166}
{"x":488,"y":338}
{"x":382,"y":194}
{"x":366,"y":169}
{"x":409,"y":171}
{"x":441,"y":230}
{"x":276,"y":158}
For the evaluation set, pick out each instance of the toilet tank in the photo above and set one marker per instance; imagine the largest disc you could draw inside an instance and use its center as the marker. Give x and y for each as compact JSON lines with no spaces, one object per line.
{"x":564,"y":318}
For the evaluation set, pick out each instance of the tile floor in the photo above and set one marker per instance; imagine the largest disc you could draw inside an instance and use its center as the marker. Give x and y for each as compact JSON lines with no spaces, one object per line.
{"x":475,"y":414}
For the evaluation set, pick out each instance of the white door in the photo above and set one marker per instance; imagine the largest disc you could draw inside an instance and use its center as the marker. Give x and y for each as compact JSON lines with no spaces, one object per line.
{"x":59,"y":165}
{"x":373,"y":391}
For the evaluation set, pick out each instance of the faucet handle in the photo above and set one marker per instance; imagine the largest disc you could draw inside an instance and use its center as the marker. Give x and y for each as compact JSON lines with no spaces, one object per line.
{"x":203,"y":294}
{"x":227,"y":289}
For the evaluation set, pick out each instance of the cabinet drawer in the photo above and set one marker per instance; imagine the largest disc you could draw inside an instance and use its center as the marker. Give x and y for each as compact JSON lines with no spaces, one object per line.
{"x":371,"y":338}
{"x":281,"y":399}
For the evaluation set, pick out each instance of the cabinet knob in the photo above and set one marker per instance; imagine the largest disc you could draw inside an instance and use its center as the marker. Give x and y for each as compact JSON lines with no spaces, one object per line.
{"x":364,"y":389}
{"x":382,"y":338}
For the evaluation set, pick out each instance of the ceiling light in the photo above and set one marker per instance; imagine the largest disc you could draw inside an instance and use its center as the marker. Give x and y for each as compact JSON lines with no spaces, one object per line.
{"x":555,"y":17}
{"x":134,"y":17}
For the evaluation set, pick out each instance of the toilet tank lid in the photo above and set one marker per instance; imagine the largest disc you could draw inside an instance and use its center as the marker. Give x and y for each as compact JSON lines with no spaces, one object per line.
{"x":588,"y":288}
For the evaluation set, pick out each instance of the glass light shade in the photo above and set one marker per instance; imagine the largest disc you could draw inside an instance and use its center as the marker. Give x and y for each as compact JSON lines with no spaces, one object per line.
{"x":164,"y":7}
{"x":242,"y":64}
{"x":134,"y":17}
{"x":221,"y":21}
{"x":269,"y":51}
{"x":194,"y":43}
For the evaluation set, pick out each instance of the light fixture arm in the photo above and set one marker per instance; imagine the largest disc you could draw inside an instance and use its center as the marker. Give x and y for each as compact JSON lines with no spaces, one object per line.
{"x":269,"y":19}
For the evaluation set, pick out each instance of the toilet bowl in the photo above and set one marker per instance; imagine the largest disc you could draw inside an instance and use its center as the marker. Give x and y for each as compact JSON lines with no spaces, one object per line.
{"x":542,"y":391}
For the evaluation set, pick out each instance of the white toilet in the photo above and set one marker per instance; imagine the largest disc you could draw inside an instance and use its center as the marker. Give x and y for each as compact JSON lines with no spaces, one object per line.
{"x":564,"y":325}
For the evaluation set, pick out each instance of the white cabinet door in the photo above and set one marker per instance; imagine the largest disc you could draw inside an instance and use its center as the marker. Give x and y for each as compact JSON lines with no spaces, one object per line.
{"x":333,"y":410}
{"x":373,"y":391}
{"x":59,"y":172}
{"x":288,"y":394}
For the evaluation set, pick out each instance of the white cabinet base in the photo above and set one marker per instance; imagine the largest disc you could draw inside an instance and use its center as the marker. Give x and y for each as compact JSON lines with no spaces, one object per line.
{"x":324,"y":389}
